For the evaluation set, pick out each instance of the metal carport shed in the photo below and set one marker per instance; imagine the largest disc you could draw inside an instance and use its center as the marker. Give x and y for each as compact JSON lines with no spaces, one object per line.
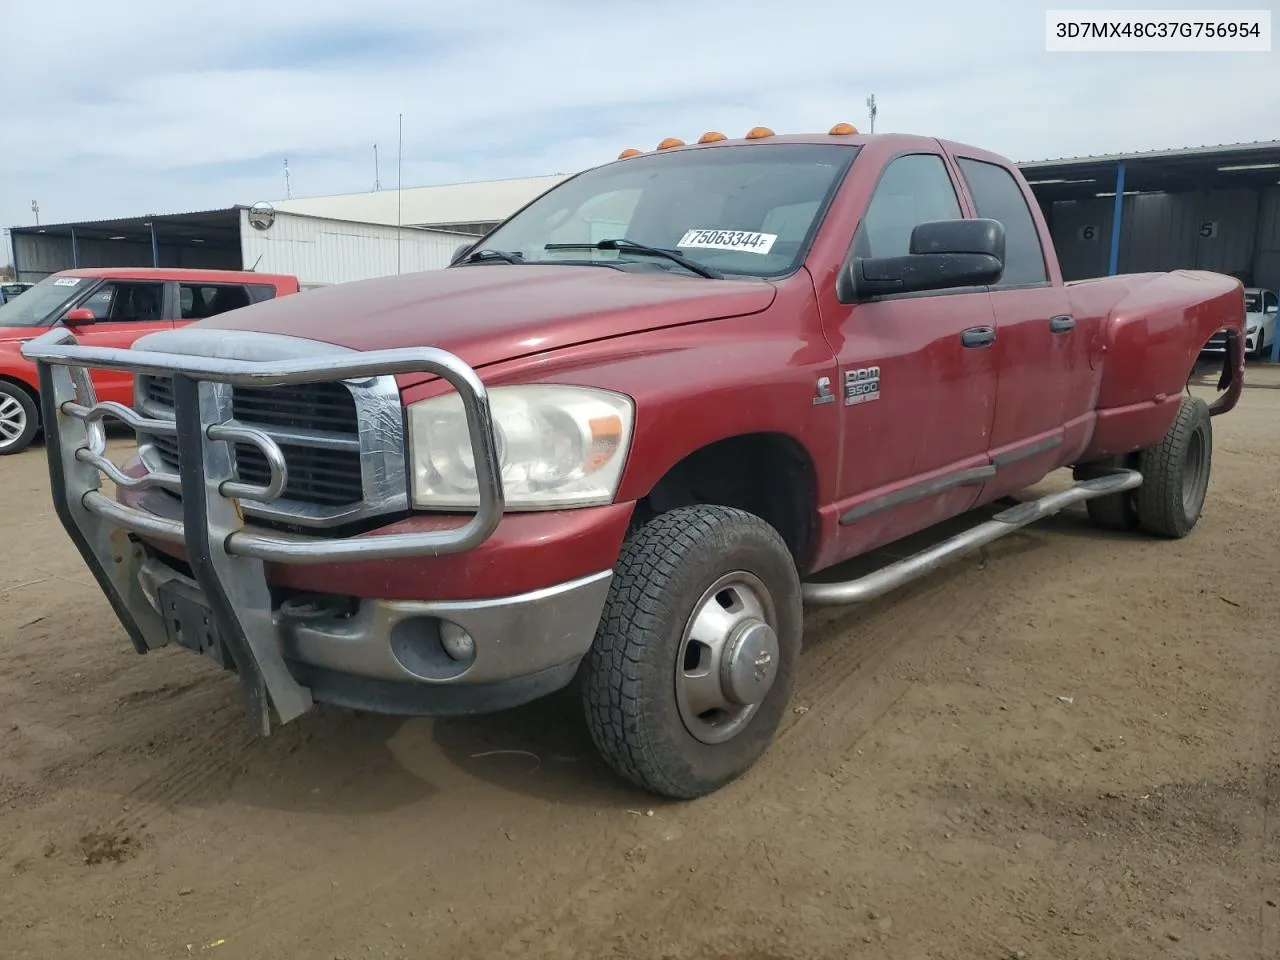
{"x":316,"y":250}
{"x":1209,"y":208}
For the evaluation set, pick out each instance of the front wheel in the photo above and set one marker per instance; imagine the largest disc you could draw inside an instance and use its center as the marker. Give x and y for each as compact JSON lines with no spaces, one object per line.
{"x":19,"y":418}
{"x":692,"y":665}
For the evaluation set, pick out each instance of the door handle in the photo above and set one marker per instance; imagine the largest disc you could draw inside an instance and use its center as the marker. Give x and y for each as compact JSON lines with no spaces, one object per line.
{"x":1062,"y":324}
{"x":978,"y":336}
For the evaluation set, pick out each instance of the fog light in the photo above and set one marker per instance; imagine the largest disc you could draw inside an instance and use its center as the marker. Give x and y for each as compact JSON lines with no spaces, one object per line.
{"x":457,"y":643}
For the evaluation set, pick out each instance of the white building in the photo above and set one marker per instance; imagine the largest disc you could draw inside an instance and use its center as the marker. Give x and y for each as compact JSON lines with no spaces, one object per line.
{"x":471,"y":208}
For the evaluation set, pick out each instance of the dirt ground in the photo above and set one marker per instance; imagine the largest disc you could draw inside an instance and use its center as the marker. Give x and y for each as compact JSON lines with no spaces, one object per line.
{"x":1063,"y":747}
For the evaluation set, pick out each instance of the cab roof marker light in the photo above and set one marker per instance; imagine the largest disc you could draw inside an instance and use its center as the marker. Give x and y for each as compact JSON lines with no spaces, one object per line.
{"x":759,"y":133}
{"x":670,"y":142}
{"x":629,"y":152}
{"x":711,"y":136}
{"x":842,"y":130}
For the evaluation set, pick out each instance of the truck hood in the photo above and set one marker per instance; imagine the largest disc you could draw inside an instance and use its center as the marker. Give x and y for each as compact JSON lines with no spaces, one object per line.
{"x":485,"y":314}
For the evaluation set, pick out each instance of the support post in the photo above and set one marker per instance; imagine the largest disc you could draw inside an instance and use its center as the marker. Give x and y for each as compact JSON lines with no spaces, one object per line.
{"x":1275,"y":343}
{"x":155,"y":247}
{"x":75,"y":250}
{"x":1117,"y":211}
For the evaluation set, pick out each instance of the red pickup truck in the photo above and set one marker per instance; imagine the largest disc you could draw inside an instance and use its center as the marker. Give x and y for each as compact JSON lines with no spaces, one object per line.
{"x":618,"y":441}
{"x":110,"y":307}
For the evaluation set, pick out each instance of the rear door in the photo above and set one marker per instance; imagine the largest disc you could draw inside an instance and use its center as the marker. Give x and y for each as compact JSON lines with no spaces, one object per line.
{"x":1044,"y":402}
{"x":917,"y":374}
{"x":123,"y":310}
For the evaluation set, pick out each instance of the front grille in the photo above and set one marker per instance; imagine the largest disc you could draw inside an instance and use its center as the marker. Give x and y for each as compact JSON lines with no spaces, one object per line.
{"x":317,"y":475}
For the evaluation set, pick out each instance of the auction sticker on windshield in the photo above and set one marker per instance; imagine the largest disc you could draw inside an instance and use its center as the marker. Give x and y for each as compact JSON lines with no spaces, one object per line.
{"x":743,"y":240}
{"x":66,"y":282}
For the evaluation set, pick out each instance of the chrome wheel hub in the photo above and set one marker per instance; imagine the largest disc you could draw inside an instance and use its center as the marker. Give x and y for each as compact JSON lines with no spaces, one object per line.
{"x":13,"y":420}
{"x":728,"y":657}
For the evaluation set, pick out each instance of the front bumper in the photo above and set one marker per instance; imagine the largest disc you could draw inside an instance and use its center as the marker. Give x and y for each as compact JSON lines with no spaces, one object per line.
{"x":390,"y":656}
{"x":290,"y":650}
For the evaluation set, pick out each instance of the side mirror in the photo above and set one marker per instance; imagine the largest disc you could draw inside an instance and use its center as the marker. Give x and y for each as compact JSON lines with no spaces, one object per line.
{"x":80,"y":315}
{"x":461,"y":252}
{"x":943,"y":254}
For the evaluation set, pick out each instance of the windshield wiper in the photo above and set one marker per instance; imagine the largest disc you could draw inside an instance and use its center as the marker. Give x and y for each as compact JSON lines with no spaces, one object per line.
{"x":621,"y":243}
{"x":506,"y":256}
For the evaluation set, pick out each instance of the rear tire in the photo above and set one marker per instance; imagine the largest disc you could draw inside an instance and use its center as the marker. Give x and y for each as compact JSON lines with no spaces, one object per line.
{"x":19,"y":418}
{"x":1119,"y":511}
{"x":1175,"y":473}
{"x":692,"y":665}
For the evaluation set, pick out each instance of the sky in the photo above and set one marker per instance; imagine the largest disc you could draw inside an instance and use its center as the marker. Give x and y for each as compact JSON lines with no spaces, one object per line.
{"x":158,"y":106}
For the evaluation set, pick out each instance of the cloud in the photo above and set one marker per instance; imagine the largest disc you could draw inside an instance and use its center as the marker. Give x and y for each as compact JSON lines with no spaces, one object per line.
{"x":152,"y":106}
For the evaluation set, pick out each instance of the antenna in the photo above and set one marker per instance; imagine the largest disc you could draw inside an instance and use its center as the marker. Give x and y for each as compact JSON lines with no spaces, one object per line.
{"x":377,"y":181}
{"x":288,"y":193}
{"x":399,"y":165}
{"x":35,"y":208}
{"x":871,"y":111}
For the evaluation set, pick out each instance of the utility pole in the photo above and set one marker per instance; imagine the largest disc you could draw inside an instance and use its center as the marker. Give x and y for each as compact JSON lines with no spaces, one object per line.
{"x":35,"y":208}
{"x":871,"y":111}
{"x":377,"y":181}
{"x":288,"y":193}
{"x":399,"y":169}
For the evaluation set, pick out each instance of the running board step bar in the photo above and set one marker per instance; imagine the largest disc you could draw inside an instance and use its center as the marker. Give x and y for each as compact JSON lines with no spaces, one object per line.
{"x":897,"y":574}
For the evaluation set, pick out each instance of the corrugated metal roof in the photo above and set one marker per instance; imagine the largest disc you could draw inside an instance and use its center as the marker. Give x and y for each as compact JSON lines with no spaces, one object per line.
{"x":1180,"y":153}
{"x":121,"y":221}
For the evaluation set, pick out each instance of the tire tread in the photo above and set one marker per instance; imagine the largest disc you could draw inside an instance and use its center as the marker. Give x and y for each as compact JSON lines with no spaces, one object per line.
{"x":637,"y":612}
{"x":1159,"y":499}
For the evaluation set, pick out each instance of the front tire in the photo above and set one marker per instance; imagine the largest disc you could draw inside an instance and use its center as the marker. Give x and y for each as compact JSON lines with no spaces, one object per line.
{"x":1175,"y":473}
{"x":693,"y":663}
{"x":19,"y":419}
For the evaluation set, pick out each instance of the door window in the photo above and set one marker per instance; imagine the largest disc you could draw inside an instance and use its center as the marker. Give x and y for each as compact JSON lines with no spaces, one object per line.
{"x":997,"y":196}
{"x":200,"y":300}
{"x":122,"y":301}
{"x":913,"y":189}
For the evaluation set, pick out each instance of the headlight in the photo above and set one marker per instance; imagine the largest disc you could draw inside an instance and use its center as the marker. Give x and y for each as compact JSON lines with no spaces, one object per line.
{"x":1251,"y":329}
{"x":558,"y":446}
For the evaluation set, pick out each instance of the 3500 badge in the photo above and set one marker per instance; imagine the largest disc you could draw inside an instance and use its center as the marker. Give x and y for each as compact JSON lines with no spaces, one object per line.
{"x":861,"y":385}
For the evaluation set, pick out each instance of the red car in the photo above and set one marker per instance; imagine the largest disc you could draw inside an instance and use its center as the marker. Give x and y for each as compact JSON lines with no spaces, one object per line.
{"x":623,"y":438}
{"x":110,"y":307}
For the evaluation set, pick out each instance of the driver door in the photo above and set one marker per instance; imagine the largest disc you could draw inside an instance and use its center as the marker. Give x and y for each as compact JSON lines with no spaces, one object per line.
{"x":123,"y":311}
{"x":917,"y":381}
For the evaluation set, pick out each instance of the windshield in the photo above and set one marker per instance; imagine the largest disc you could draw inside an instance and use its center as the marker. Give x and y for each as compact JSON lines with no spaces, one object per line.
{"x":47,"y":297}
{"x":1253,"y":302}
{"x":749,"y":210}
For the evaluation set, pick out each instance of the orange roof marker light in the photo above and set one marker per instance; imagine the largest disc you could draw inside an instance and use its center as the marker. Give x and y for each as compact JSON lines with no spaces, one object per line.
{"x":711,"y":136}
{"x":670,"y":142}
{"x":629,"y":152}
{"x":842,"y":130}
{"x":759,"y":133}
